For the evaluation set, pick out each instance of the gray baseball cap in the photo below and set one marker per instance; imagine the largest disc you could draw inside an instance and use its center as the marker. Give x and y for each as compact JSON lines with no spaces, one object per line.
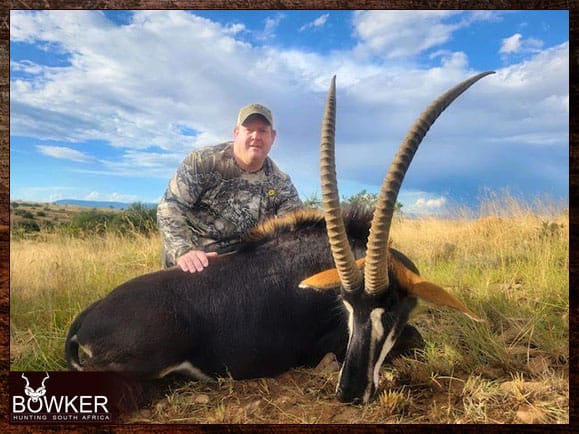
{"x":254,"y":109}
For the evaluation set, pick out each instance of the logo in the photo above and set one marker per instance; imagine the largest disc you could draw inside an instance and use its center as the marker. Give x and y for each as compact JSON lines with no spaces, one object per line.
{"x":43,"y":398}
{"x":35,"y":395}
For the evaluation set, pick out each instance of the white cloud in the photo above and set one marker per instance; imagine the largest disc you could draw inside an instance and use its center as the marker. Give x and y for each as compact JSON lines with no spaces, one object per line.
{"x":511,"y":44}
{"x":111,"y":197}
{"x":54,"y":193}
{"x":133,"y":90}
{"x":138,"y":86}
{"x":234,"y":29}
{"x":140,"y":164}
{"x":430,"y":203}
{"x":27,"y":67}
{"x":517,"y":44}
{"x":401,"y":34}
{"x":271,"y":24}
{"x":418,"y":202}
{"x":321,"y":20}
{"x":318,"y":22}
{"x":44,"y":194}
{"x":64,"y":153}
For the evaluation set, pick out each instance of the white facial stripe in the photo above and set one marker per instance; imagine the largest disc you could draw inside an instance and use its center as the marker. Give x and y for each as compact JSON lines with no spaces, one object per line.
{"x":350,"y":310}
{"x":388,"y":344}
{"x":377,"y":327}
{"x":377,"y":333}
{"x":376,"y":336}
{"x":188,"y":369}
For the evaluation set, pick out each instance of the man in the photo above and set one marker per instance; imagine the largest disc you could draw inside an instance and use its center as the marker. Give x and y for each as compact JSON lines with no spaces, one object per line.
{"x":219,"y":192}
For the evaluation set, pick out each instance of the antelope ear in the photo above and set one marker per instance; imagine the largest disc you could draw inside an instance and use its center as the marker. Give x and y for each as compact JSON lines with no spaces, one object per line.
{"x":436,"y":295}
{"x":326,"y":280}
{"x":428,"y":291}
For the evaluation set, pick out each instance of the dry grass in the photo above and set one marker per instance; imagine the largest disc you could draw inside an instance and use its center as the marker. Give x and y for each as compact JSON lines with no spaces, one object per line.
{"x":510,"y":267}
{"x":54,"y":276}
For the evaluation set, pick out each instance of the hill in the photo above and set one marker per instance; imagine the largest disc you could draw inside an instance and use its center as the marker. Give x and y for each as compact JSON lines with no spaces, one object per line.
{"x":33,"y":217}
{"x":44,"y":214}
{"x":98,"y":204}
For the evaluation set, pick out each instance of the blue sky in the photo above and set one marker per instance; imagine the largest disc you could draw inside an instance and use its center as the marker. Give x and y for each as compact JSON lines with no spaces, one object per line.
{"x":104,"y":105}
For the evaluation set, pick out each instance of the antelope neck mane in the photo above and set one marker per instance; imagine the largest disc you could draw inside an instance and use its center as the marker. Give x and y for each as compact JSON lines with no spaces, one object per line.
{"x":357,"y":220}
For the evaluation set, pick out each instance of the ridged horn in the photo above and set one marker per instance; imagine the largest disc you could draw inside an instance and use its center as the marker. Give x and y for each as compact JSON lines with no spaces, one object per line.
{"x":376,"y":269}
{"x":350,"y":275}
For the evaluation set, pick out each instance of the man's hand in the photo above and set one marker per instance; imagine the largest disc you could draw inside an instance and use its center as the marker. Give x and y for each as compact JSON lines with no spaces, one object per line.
{"x":195,"y":260}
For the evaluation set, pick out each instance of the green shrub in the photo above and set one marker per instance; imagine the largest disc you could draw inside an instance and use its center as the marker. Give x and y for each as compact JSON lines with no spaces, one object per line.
{"x":138,"y":218}
{"x":23,"y":213}
{"x":549,"y":230}
{"x":94,"y":222}
{"x":27,"y":225}
{"x":141,"y":218}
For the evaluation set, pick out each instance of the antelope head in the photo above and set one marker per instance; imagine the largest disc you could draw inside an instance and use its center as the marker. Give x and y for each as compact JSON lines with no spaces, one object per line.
{"x":379,"y":291}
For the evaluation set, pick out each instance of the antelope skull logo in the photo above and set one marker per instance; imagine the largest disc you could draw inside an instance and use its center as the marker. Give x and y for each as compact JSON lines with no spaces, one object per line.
{"x":35,"y":394}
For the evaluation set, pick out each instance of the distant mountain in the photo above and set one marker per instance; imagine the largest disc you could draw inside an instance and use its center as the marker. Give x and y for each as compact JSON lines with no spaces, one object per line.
{"x":98,"y":204}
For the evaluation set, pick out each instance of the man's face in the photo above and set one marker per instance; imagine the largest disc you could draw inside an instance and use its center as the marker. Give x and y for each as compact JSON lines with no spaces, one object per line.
{"x":252,"y":142}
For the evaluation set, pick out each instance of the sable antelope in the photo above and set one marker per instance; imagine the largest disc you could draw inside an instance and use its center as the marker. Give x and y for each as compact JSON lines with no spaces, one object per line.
{"x":250,"y":315}
{"x":380,"y":300}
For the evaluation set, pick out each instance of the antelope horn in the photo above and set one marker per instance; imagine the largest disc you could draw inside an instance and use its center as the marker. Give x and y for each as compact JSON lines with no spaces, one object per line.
{"x":350,"y":275}
{"x":45,"y":378}
{"x":376,"y":269}
{"x":27,"y":383}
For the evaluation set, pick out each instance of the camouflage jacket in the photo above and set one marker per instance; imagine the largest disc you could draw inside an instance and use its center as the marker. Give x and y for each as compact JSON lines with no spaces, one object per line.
{"x":211,"y":201}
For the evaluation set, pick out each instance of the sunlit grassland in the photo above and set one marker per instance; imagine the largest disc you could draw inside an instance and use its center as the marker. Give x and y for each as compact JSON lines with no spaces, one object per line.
{"x":507,"y":262}
{"x":55,"y":276}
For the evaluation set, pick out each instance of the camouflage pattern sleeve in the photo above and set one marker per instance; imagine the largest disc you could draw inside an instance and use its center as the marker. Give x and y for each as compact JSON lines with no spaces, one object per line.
{"x":290,"y":200}
{"x":181,"y":195}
